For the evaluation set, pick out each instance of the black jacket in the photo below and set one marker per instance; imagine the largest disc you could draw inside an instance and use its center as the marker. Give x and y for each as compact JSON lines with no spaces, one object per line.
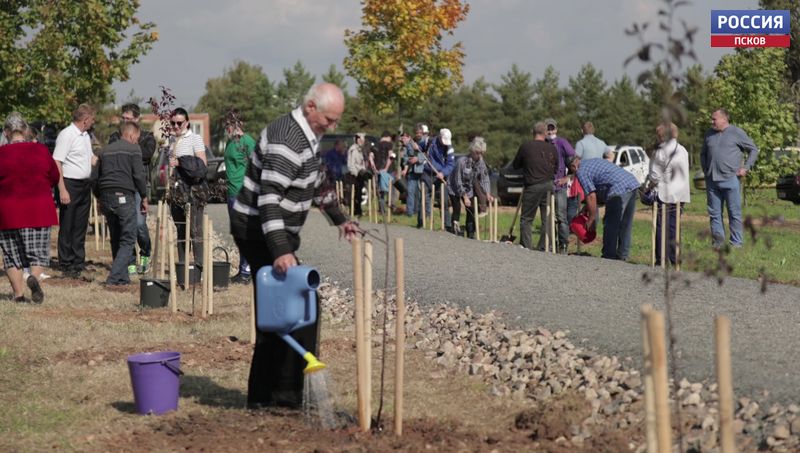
{"x":120,"y":168}
{"x":147,"y":143}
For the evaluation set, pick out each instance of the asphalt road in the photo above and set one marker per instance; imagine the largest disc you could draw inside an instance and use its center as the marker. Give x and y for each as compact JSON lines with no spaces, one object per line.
{"x":596,"y":300}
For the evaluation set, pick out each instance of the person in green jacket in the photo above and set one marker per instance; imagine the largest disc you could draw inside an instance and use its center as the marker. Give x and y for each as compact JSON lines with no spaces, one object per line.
{"x":237,"y":154}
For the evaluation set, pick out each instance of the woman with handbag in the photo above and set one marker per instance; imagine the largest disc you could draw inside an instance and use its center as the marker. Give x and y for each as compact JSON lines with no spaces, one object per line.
{"x":187,"y":157}
{"x":669,"y":179}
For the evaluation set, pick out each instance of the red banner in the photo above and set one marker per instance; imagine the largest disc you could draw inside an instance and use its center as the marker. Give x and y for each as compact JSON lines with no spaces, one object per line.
{"x":749,"y":40}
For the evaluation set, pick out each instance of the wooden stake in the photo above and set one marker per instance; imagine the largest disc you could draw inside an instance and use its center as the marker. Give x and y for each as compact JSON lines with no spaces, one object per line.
{"x":369,"y":200}
{"x":553,"y":232}
{"x":658,"y":353}
{"x":422,"y":204}
{"x":352,"y":200}
{"x":664,"y":221}
{"x":186,"y":244}
{"x":210,"y":268}
{"x":368,"y":323}
{"x":173,"y":278}
{"x":496,"y":219}
{"x":358,"y":294}
{"x":400,"y":334}
{"x":203,"y":264}
{"x":653,"y":237}
{"x":389,"y":203}
{"x":442,"y":206}
{"x":678,"y":236}
{"x":165,"y":225}
{"x":433,"y":205}
{"x":546,"y":226}
{"x":647,"y":378}
{"x":722,"y":340}
{"x":475,"y":211}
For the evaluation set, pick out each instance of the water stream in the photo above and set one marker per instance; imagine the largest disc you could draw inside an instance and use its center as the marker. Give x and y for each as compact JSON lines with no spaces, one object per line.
{"x":318,"y":406}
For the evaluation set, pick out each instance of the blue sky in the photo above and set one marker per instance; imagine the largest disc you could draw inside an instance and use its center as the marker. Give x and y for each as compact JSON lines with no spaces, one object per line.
{"x":200,"y":38}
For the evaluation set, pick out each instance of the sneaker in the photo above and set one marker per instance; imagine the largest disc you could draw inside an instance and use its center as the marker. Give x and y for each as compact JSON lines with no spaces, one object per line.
{"x":132,"y":269}
{"x":37,"y":295}
{"x":241,"y":279}
{"x":144,"y":264}
{"x":21,"y":300}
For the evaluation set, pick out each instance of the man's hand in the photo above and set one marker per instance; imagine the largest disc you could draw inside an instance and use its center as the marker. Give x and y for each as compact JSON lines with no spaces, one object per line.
{"x":173,"y":162}
{"x":467,"y":203}
{"x":741,"y":172}
{"x":413,"y":160}
{"x":145,"y":205}
{"x":563,"y":181}
{"x":284,"y":262}
{"x":490,"y":197}
{"x":440,"y":175}
{"x":64,"y":197}
{"x":348,"y":230}
{"x":95,"y":159}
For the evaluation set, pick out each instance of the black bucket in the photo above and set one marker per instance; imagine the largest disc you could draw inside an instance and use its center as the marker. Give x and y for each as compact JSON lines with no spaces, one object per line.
{"x":194,"y":273}
{"x":222,"y":270}
{"x":153,"y":293}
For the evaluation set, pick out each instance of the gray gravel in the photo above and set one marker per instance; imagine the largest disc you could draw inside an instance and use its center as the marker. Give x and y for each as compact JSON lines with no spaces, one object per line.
{"x":596,"y":300}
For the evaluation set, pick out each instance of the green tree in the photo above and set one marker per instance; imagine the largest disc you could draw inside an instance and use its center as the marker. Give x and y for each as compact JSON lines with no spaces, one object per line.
{"x":296,"y":82}
{"x":694,"y":91}
{"x":549,"y":103}
{"x":399,"y":58}
{"x":244,"y":87}
{"x":585,"y":97}
{"x":56,"y":55}
{"x":335,"y":77}
{"x":748,"y":85}
{"x":624,"y":113}
{"x":516,"y":102}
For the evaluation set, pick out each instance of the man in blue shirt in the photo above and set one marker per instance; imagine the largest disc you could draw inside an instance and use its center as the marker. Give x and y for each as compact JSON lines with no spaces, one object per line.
{"x":621,"y":187}
{"x":721,"y":159}
{"x":590,"y":147}
{"x":442,"y":163}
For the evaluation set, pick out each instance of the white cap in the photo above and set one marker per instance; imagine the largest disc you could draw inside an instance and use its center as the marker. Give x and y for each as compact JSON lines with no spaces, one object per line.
{"x":446,"y":136}
{"x":424,"y":128}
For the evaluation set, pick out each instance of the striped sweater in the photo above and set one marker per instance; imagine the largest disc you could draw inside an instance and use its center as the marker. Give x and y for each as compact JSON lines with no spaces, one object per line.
{"x":282,"y":181}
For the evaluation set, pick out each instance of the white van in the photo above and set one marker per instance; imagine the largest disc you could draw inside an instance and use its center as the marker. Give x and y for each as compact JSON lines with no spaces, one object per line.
{"x":632,"y":159}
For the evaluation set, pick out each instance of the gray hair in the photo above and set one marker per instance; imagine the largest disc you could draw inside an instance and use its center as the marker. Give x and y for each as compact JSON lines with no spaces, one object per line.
{"x":323,"y":95}
{"x":540,"y":128}
{"x":478,"y":144}
{"x":15,"y":124}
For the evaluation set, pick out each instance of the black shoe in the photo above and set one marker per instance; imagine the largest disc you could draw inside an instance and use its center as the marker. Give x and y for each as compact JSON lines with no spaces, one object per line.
{"x":21,"y":300}
{"x":241,"y":279}
{"x":37,"y":295}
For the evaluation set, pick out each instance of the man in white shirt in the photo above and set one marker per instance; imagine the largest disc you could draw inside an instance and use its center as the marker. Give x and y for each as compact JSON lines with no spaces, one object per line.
{"x":73,"y":156}
{"x":669,"y":172}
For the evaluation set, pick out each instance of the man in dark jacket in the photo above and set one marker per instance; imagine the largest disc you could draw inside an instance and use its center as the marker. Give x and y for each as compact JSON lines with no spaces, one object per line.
{"x":119,"y":177}
{"x":147,"y":143}
{"x":538,"y":161}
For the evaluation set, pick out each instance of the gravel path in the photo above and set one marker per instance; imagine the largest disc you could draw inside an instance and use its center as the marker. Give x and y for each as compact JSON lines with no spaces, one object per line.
{"x":596,"y":300}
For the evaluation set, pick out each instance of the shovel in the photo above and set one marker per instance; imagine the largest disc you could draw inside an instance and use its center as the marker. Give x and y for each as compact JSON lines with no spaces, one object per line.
{"x":510,"y":236}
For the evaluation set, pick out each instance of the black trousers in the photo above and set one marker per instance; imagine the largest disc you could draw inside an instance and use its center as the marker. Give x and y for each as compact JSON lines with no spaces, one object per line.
{"x":73,"y":223}
{"x":195,"y":230}
{"x":276,"y":373}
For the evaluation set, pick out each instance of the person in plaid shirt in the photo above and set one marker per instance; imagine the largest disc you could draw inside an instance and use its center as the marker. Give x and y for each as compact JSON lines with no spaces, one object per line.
{"x":621,"y":187}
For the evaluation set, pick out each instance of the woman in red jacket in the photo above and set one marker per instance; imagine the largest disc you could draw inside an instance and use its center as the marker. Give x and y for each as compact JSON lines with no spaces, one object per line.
{"x":27,"y":211}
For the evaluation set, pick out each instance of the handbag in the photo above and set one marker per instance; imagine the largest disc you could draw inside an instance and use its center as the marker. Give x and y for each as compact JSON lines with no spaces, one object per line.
{"x":649,"y":196}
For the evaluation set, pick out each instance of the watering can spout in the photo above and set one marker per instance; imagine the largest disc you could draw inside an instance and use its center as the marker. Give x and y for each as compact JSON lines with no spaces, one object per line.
{"x":314,"y":365}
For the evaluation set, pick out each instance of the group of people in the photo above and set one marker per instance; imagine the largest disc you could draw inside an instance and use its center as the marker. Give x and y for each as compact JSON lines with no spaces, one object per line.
{"x":274,"y":181}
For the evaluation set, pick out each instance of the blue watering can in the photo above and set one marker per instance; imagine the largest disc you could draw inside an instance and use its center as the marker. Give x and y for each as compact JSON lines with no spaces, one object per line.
{"x":287,"y":302}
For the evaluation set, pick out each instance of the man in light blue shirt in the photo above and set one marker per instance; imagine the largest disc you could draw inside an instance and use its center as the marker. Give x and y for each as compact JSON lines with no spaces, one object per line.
{"x":721,"y":159}
{"x":590,"y":147}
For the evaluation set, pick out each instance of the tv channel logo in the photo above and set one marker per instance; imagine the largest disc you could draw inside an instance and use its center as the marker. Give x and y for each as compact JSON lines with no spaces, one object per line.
{"x":749,"y":28}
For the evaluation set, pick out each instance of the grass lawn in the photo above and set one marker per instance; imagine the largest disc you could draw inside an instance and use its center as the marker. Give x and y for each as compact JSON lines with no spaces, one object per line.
{"x":774,"y":252}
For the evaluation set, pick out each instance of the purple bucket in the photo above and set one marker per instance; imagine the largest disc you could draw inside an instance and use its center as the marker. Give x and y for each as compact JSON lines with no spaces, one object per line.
{"x":155,"y":378}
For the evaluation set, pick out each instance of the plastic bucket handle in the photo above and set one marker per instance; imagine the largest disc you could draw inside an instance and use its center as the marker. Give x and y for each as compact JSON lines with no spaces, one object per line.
{"x":227,"y":257}
{"x":172,"y":367}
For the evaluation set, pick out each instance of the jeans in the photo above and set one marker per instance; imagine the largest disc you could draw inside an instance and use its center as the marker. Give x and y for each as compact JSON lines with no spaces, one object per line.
{"x":562,"y":224}
{"x":142,"y":233}
{"x":73,"y":223}
{"x":672,"y":209}
{"x":412,"y":194}
{"x":618,"y":226}
{"x":719,"y":193}
{"x":426,"y":180}
{"x":572,"y":208}
{"x":244,"y":268}
{"x":533,"y":197}
{"x":120,"y":211}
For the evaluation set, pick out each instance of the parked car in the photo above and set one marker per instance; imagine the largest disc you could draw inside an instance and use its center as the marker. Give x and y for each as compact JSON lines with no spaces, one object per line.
{"x":788,"y":188}
{"x":215,"y":177}
{"x":632,"y":159}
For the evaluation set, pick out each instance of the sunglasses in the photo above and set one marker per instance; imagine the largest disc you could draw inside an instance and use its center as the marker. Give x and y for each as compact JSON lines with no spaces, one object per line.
{"x":177,"y":123}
